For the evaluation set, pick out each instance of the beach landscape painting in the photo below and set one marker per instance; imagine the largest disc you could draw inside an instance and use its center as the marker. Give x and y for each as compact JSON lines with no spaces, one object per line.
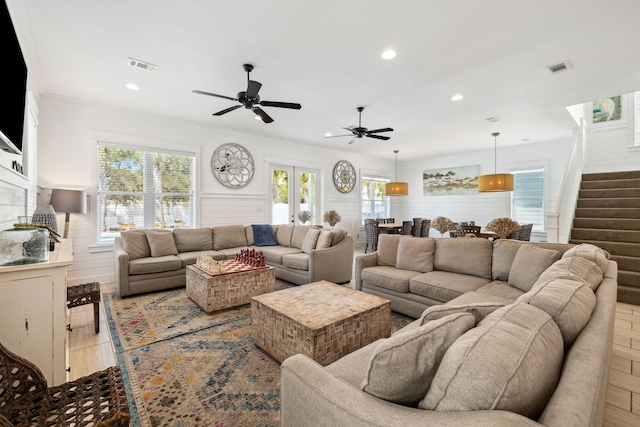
{"x":458,"y":180}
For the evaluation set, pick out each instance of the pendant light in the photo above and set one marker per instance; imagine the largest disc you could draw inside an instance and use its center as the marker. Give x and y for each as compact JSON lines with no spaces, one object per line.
{"x":396,"y":188}
{"x":497,"y":181}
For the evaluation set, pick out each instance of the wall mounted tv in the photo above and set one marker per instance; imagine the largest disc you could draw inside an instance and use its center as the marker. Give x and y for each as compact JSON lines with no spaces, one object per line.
{"x":14,"y":83}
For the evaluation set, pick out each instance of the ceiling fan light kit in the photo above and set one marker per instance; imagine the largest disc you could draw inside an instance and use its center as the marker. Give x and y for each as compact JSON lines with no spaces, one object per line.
{"x":396,"y":188}
{"x":495,"y":182}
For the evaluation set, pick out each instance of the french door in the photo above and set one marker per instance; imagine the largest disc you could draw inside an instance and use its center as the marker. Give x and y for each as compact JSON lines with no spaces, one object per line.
{"x":293,"y":190}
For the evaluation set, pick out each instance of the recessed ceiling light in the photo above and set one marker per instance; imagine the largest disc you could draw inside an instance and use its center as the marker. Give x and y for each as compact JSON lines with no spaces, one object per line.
{"x":389,"y":54}
{"x":132,"y":86}
{"x":457,"y":97}
{"x":328,"y":134}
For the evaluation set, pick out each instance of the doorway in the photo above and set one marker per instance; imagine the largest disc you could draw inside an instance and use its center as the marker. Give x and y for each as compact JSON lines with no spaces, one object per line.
{"x":294,"y":189}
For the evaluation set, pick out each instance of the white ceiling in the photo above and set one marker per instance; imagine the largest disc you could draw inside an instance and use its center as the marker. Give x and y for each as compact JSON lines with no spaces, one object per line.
{"x":325,"y":55}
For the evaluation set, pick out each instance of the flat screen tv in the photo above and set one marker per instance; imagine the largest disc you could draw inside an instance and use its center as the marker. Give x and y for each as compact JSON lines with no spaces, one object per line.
{"x":14,"y":86}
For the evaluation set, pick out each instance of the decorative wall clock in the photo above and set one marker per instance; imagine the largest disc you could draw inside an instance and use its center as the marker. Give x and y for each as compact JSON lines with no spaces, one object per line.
{"x":232,"y":165}
{"x":344,"y":176}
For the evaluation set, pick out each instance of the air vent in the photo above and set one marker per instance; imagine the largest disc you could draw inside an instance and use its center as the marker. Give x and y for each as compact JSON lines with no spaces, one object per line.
{"x":492,"y":119}
{"x":560,"y":66}
{"x":142,"y":65}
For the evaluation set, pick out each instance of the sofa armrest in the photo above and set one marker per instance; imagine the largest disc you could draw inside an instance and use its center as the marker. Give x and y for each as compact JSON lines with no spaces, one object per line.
{"x":121,"y":264}
{"x":364,"y":261}
{"x":334,"y":264}
{"x":312,"y":396}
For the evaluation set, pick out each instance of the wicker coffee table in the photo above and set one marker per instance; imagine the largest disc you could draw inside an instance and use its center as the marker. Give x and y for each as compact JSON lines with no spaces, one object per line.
{"x":322,"y":320}
{"x":216,"y":292}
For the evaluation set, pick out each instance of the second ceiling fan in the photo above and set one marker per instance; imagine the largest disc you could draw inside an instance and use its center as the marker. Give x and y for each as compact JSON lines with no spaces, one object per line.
{"x":359,"y":131}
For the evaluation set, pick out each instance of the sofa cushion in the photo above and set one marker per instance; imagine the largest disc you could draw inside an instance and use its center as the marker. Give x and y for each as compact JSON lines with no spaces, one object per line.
{"x":155,"y":264}
{"x":519,"y":351}
{"x":415,"y":253}
{"x":193,"y":239}
{"x":284,"y":233}
{"x":337,"y":236}
{"x":529,"y":263}
{"x":324,"y":239}
{"x":474,"y":297}
{"x":298,"y":235}
{"x":161,"y":243}
{"x":444,"y":286}
{"x":274,"y":254}
{"x":590,"y":252}
{"x":580,"y":269}
{"x":135,"y":243}
{"x":229,"y":236}
{"x":388,"y":248}
{"x":401,"y":367}
{"x":478,"y":310}
{"x":504,"y":251}
{"x":263,"y":235}
{"x":501,"y":289}
{"x":388,"y":277}
{"x":310,"y":240}
{"x":248,"y":233}
{"x":568,"y":302}
{"x":464,"y":256}
{"x":298,"y":261}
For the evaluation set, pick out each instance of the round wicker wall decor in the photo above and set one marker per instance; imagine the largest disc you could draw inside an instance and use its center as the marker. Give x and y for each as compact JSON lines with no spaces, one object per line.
{"x":232,"y":165}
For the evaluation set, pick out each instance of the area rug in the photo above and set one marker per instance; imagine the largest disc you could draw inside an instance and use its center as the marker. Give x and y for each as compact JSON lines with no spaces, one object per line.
{"x":184,"y":367}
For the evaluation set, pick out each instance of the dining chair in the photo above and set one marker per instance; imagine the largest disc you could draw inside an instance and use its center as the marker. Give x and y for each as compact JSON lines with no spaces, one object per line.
{"x":416,"y":229}
{"x":390,"y":220}
{"x":371,"y":235}
{"x":426,"y":226}
{"x":406,"y":228}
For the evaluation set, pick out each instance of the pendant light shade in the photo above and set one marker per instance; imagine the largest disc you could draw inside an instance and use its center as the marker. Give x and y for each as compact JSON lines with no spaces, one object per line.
{"x":396,"y":188}
{"x":497,"y":181}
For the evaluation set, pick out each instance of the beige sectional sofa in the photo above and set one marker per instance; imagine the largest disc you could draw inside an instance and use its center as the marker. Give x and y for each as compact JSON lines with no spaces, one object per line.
{"x":151,"y":260}
{"x":480,"y":354}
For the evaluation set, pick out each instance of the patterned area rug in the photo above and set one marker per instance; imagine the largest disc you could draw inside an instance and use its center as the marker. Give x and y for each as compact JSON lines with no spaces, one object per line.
{"x":184,"y":367}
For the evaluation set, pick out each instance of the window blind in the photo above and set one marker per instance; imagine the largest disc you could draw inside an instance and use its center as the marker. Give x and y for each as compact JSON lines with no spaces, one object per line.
{"x":527,"y":199}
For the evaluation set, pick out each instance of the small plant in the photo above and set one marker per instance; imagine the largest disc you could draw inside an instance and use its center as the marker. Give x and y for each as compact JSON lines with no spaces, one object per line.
{"x":331,"y":217}
{"x":304,"y":216}
{"x":442,"y":224}
{"x":503,"y":227}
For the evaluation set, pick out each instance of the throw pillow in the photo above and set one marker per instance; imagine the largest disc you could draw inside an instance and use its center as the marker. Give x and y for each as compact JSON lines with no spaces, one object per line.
{"x":135,"y":244}
{"x":193,"y":239}
{"x":416,"y":254}
{"x":324,"y":239}
{"x":580,"y":269}
{"x":161,"y":243}
{"x":263,"y":235}
{"x":590,"y":252}
{"x":310,"y":240}
{"x":511,"y":361}
{"x":388,"y":248}
{"x":228,"y":236}
{"x":529,"y":263}
{"x":285,"y":231}
{"x":401,"y":367}
{"x":568,"y":302}
{"x":479,"y":310}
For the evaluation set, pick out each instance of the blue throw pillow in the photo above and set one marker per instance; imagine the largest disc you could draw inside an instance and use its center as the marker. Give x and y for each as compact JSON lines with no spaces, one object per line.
{"x":263,"y":235}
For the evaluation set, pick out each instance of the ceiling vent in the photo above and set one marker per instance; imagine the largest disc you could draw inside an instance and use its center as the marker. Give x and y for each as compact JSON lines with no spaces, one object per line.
{"x":492,"y":119}
{"x":142,"y":65}
{"x":560,"y":66}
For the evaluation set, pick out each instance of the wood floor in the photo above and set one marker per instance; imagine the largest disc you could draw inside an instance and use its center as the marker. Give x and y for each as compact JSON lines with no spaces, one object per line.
{"x":90,"y":352}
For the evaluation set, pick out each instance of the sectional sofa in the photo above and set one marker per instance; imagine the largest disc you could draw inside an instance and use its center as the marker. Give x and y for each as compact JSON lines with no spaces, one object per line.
{"x":481,"y":353}
{"x":151,"y":260}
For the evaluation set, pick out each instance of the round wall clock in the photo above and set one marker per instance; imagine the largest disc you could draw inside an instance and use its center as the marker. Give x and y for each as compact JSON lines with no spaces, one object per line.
{"x":344,"y":176}
{"x":232,"y":165}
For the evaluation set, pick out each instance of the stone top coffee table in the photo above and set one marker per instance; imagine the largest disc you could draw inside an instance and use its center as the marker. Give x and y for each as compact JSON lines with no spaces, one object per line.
{"x":322,"y":320}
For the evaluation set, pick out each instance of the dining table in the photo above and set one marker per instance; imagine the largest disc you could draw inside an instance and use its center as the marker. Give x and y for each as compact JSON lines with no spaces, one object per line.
{"x":392,"y":228}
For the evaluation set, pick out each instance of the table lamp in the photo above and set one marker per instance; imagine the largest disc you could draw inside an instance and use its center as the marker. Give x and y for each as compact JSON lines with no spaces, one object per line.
{"x":68,"y":201}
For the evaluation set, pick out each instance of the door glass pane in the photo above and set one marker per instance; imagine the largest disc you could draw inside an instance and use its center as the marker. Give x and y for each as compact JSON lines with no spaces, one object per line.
{"x":280,"y":197}
{"x":308,"y":195}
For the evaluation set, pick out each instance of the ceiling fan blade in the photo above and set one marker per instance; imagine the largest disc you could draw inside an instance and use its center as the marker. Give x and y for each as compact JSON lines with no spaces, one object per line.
{"x":378,"y":137}
{"x":291,"y":105}
{"x":337,"y":136}
{"x":380,"y":130}
{"x":213,"y":94}
{"x":219,"y":113}
{"x":353,"y":140}
{"x":264,"y":116}
{"x":253,"y":88}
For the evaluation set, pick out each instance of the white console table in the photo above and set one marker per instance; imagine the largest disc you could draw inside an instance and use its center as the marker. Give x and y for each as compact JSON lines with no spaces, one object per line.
{"x":33,"y":312}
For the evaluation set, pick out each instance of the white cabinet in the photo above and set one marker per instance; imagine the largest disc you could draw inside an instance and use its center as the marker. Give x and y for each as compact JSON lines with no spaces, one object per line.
{"x":33,"y":312}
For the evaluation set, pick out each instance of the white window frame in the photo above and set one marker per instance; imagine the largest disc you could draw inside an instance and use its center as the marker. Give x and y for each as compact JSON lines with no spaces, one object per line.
{"x":538,"y":226}
{"x":372,"y":199}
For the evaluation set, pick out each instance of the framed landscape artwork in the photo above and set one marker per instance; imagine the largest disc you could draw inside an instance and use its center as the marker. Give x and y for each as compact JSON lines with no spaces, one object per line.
{"x":457,"y":181}
{"x":605,"y":110}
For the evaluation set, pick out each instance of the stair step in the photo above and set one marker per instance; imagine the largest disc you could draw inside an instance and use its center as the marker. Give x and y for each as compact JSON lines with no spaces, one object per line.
{"x":629,"y":263}
{"x":607,"y":212}
{"x":607,"y":223}
{"x":629,"y":278}
{"x":614,"y":248}
{"x":629,"y":202}
{"x":611,"y":175}
{"x":611,"y":183}
{"x":629,"y":236}
{"x":610,"y":193}
{"x":628,"y":294}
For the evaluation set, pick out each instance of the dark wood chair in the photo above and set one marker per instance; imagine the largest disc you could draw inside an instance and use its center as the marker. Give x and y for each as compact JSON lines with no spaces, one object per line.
{"x":98,"y":399}
{"x":371,"y":235}
{"x":406,"y":228}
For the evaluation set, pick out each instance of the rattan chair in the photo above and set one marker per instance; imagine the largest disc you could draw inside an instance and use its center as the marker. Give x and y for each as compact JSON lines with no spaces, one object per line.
{"x":416,"y":229}
{"x":98,"y":399}
{"x":371,"y":234}
{"x":466,"y":230}
{"x":426,"y":226}
{"x":390,"y":220}
{"x":406,"y":228}
{"x":523,"y":234}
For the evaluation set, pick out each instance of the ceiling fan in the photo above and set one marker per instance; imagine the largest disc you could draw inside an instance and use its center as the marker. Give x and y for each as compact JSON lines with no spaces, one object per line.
{"x":359,"y":131}
{"x":250,"y":99}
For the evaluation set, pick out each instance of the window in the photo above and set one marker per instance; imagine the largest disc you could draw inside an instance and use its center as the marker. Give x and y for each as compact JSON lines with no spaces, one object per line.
{"x":375,"y":203}
{"x":139,"y":188}
{"x":636,"y":115}
{"x":527,"y":199}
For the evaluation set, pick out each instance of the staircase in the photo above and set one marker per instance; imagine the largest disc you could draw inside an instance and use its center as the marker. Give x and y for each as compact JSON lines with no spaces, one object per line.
{"x":608,"y":215}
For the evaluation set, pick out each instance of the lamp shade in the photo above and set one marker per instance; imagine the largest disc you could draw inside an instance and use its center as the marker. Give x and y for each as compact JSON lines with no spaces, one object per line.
{"x":69,"y":201}
{"x":396,"y":189}
{"x":495,"y":182}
